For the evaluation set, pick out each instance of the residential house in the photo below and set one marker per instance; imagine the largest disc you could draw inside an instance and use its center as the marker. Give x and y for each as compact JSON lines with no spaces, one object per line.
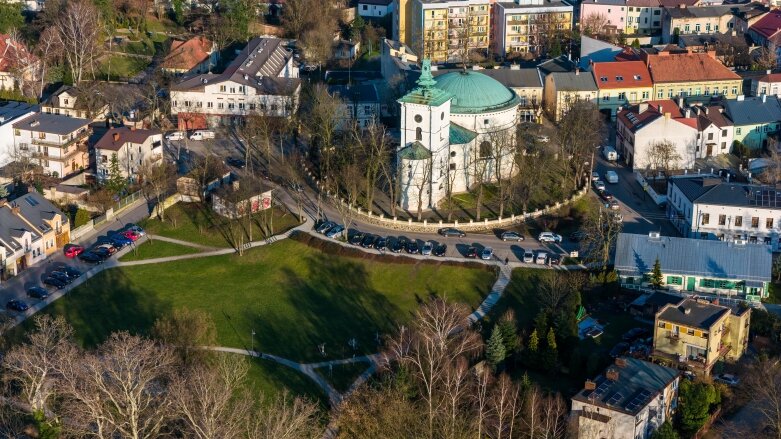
{"x":731,"y":48}
{"x":518,"y":25}
{"x":560,"y":64}
{"x":715,"y":131}
{"x":57,"y":143}
{"x":132,"y":147}
{"x":683,"y":20}
{"x":437,"y":28}
{"x":345,"y":50}
{"x":11,"y":112}
{"x":71,"y":101}
{"x":694,"y":265}
{"x":630,"y":400}
{"x":647,"y":305}
{"x":640,"y":127}
{"x":562,"y":90}
{"x":708,"y":208}
{"x":17,"y":64}
{"x":695,"y":334}
{"x":262,"y":79}
{"x":768,"y":84}
{"x":361,"y":104}
{"x":691,"y":74}
{"x":236,"y":200}
{"x":643,"y":17}
{"x":21,"y":245}
{"x":766,"y":31}
{"x":611,"y":12}
{"x":46,"y":219}
{"x":375,"y":8}
{"x":621,"y":83}
{"x":757,"y":120}
{"x":196,"y":55}
{"x":396,"y":60}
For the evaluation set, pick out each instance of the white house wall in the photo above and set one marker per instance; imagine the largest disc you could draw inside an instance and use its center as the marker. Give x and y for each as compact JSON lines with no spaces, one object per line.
{"x":682,"y":136}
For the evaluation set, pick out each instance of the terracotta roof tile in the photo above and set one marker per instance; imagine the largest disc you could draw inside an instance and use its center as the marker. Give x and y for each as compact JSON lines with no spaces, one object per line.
{"x":11,"y":53}
{"x":186,"y":55}
{"x":683,"y":67}
{"x":623,"y":74}
{"x":773,"y":77}
{"x":124,"y":134}
{"x":768,"y":25}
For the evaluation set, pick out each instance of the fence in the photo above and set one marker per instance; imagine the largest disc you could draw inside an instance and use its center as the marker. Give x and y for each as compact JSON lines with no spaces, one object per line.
{"x":110,"y":213}
{"x":165,"y":204}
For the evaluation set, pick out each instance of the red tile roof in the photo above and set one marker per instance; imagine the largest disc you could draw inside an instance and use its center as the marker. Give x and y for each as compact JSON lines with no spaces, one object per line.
{"x":686,"y":67}
{"x":115,"y":138}
{"x":633,"y":119}
{"x":773,"y":77}
{"x":186,"y":55}
{"x":11,"y":53}
{"x":768,"y":25}
{"x":668,"y":106}
{"x":621,"y":74}
{"x":677,"y":3}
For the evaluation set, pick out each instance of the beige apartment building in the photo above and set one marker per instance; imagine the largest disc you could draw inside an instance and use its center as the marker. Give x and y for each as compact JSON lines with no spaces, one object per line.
{"x":443,"y":29}
{"x":696,"y":334}
{"x":520,"y":26}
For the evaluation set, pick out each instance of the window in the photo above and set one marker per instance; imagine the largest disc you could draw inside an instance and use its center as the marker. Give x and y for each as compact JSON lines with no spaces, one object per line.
{"x":485,"y":149}
{"x":251,"y":106}
{"x":233,"y":89}
{"x":738,"y":221}
{"x":41,"y":135}
{"x":220,"y":105}
{"x":619,"y":78}
{"x":674,"y":280}
{"x":603,"y":78}
{"x":722,"y":220}
{"x":418,"y":118}
{"x":452,"y":166}
{"x":621,"y":96}
{"x":606,"y":97}
{"x":710,"y":136}
{"x":734,"y":90}
{"x":705,"y":218}
{"x":769,"y":223}
{"x":17,"y":133}
{"x":697,"y":28}
{"x":645,"y":95}
{"x":210,"y":105}
{"x":418,"y":133}
{"x":657,"y":12}
{"x":738,"y":130}
{"x":690,"y":331}
{"x":222,"y":88}
{"x":452,"y":153}
{"x":755,"y":222}
{"x":364,"y":7}
{"x":659,"y":95}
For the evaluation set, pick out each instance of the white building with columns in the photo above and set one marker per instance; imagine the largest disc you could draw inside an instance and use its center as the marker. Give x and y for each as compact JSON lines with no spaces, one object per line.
{"x":455,"y":130}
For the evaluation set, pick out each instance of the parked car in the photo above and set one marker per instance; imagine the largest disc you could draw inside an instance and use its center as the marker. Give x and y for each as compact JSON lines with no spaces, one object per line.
{"x":131,"y":235}
{"x":70,"y":271}
{"x":175,"y":135}
{"x":593,"y":332}
{"x":324,"y":227}
{"x":512,"y":236}
{"x":610,"y":153}
{"x":611,"y":177}
{"x":528,"y":257}
{"x":427,"y":248}
{"x":728,"y":379}
{"x":599,"y":185}
{"x":60,"y":276}
{"x":541,"y":258}
{"x":619,"y":349}
{"x":136,"y":229}
{"x":381,"y":244}
{"x":471,"y":252}
{"x":549,"y":237}
{"x":120,"y":241}
{"x":554,"y":260}
{"x":37,"y":292}
{"x":605,"y":195}
{"x":70,"y":276}
{"x":412,"y":247}
{"x":54,"y":282}
{"x":236,"y":163}
{"x":335,"y":231}
{"x":397,"y":246}
{"x":450,"y":231}
{"x":613,"y":205}
{"x":594,"y":176}
{"x":357,"y":238}
{"x":73,"y":251}
{"x":17,"y":305}
{"x":368,"y":241}
{"x":202,"y":135}
{"x":109,"y":248}
{"x":90,"y":257}
{"x":487,"y":254}
{"x":101,"y":252}
{"x":440,"y":250}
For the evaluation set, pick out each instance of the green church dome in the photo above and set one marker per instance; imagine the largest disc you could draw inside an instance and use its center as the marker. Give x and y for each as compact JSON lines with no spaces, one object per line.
{"x":474,"y":92}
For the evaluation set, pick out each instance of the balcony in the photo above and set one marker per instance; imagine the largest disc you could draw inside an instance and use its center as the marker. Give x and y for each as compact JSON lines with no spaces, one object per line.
{"x":674,"y":337}
{"x":81,"y":136}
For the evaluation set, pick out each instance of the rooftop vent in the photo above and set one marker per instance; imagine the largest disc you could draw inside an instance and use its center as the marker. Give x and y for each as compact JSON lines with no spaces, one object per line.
{"x":590,"y":385}
{"x":35,"y":123}
{"x":654,"y":235}
{"x":116,"y":137}
{"x":621,"y":362}
{"x":612,"y":374}
{"x":686,"y":310}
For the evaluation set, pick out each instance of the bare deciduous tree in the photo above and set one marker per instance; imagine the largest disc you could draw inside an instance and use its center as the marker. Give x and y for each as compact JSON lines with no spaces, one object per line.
{"x":763,"y":385}
{"x":286,"y":418}
{"x":478,"y":166}
{"x":766,"y":59}
{"x":156,"y":180}
{"x":601,"y":229}
{"x":663,"y":155}
{"x":580,"y":132}
{"x":186,"y":330}
{"x":78,"y":31}
{"x":594,"y":24}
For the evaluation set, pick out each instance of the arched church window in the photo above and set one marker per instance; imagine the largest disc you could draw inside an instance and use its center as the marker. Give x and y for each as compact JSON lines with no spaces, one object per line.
{"x":418,"y":133}
{"x":418,"y":118}
{"x":452,"y":153}
{"x":442,"y":116}
{"x":485,"y":149}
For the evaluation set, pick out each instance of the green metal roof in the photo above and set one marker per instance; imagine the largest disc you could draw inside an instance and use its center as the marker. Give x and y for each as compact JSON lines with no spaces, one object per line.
{"x":426,"y":92}
{"x":475,"y":92}
{"x":460,"y":135}
{"x":415,"y":151}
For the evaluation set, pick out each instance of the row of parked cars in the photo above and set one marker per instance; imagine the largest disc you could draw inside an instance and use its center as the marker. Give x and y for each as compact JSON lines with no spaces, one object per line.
{"x":58,"y":279}
{"x":505,"y":236}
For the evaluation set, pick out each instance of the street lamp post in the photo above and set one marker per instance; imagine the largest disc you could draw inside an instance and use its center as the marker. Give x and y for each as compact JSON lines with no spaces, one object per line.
{"x":253,"y":340}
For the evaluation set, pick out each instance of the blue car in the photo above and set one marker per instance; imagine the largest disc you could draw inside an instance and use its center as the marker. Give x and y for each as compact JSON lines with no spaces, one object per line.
{"x":120,"y":241}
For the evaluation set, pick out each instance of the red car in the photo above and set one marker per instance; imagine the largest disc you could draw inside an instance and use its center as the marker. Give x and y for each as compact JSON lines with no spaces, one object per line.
{"x":74,"y":251}
{"x":131,"y":235}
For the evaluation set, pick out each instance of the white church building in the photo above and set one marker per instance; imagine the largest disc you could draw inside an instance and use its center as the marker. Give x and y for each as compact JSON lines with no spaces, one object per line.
{"x":455,"y":129}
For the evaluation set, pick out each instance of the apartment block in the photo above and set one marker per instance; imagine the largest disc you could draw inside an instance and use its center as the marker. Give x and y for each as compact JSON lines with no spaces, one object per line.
{"x":444,"y":30}
{"x":522,"y":25}
{"x":132,"y":147}
{"x":58,"y":143}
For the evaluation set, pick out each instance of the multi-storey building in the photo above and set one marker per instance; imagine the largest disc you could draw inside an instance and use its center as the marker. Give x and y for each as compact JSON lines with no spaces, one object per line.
{"x":768,"y":84}
{"x":523,"y":25}
{"x":708,"y":208}
{"x":21,"y":246}
{"x":643,"y":17}
{"x":57,"y":143}
{"x":46,"y":219}
{"x":361,"y":104}
{"x":701,"y":20}
{"x":263,"y":79}
{"x":449,"y":30}
{"x":11,"y":112}
{"x":757,"y":119}
{"x":694,"y":265}
{"x":621,"y":83}
{"x":691,"y":74}
{"x":695,"y":334}
{"x":564,"y":89}
{"x":629,"y":401}
{"x":132,"y":148}
{"x":71,"y":101}
{"x":375,"y":8}
{"x":611,"y":14}
{"x":196,"y":55}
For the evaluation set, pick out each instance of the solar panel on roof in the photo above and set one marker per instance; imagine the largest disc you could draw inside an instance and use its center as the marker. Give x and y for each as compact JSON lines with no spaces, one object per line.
{"x":615,"y":398}
{"x":638,"y":400}
{"x":31,"y":201}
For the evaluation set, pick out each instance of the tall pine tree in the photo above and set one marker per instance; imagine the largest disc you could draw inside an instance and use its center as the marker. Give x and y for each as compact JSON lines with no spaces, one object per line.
{"x":116,"y":182}
{"x":656,"y":274}
{"x":494,"y":351}
{"x":550,"y":355}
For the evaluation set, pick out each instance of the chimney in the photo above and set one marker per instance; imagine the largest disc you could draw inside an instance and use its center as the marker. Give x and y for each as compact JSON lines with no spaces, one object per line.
{"x":767,"y":72}
{"x":741,"y":98}
{"x":688,"y":113}
{"x":132,"y":128}
{"x":621,"y":362}
{"x":712,"y":54}
{"x":660,"y":109}
{"x":642,"y":108}
{"x":577,"y":71}
{"x":686,"y":310}
{"x":612,"y":374}
{"x":682,"y":6}
{"x":590,"y":385}
{"x":667,"y":116}
{"x":116,"y":137}
{"x":15,"y":209}
{"x":764,"y":98}
{"x":706,"y":111}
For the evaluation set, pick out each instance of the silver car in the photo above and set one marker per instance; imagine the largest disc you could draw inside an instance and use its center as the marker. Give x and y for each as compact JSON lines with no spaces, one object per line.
{"x":528,"y":257}
{"x":427,"y":248}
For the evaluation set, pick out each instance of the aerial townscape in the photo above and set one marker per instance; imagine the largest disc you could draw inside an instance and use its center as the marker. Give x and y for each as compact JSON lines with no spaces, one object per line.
{"x":424,"y":219}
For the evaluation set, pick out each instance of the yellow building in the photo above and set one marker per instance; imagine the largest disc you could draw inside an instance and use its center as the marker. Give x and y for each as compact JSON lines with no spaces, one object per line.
{"x":563,"y":89}
{"x":443,"y":30}
{"x":691,"y":74}
{"x":522,"y":26}
{"x":696,"y":334}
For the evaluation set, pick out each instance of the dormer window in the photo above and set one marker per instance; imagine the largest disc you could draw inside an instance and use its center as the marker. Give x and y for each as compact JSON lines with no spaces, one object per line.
{"x":603,"y":78}
{"x":619,"y":78}
{"x":637,"y":77}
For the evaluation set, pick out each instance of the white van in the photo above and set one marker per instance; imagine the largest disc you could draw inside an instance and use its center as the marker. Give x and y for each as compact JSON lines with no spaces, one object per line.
{"x":176,"y":135}
{"x":609,"y":153}
{"x":201,"y":135}
{"x":611,"y":177}
{"x":541,"y":258}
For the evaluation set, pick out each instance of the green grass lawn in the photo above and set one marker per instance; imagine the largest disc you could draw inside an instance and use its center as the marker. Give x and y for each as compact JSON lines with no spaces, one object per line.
{"x":294,"y":297}
{"x":269,"y":379}
{"x":157,"y":249}
{"x":343,"y":375}
{"x":121,"y":67}
{"x":191,"y":222}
